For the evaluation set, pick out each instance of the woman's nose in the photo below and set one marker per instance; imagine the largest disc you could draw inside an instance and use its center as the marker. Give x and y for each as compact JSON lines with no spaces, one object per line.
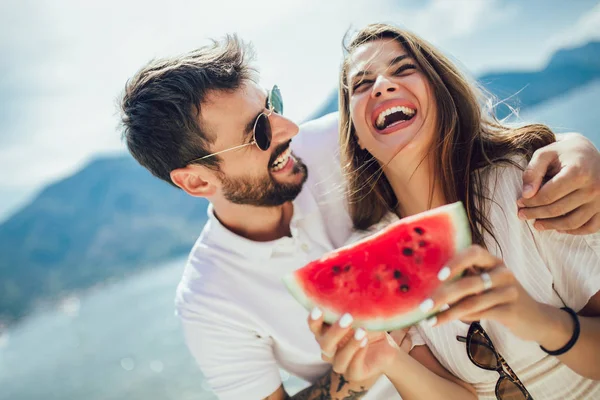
{"x":383,"y":85}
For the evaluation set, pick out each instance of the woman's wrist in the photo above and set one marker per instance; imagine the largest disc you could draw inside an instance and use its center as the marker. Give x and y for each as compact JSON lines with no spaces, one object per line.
{"x":557,"y":328}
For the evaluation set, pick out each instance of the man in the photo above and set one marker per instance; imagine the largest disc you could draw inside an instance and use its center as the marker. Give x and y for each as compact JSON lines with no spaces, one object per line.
{"x":202,"y":123}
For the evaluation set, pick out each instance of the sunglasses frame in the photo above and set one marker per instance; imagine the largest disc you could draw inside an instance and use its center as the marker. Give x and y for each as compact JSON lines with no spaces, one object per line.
{"x":503,"y":369}
{"x":274,"y":93}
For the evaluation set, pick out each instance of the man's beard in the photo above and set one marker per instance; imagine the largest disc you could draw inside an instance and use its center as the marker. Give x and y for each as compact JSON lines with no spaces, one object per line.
{"x":265,"y":191}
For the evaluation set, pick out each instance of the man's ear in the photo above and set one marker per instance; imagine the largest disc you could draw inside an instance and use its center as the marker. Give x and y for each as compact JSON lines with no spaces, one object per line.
{"x":194,"y":180}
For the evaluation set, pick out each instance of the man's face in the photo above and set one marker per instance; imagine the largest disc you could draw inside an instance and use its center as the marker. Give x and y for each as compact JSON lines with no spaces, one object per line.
{"x":249,"y":175}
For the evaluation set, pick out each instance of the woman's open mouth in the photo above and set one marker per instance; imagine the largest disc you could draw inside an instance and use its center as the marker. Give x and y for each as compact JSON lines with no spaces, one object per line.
{"x":393,"y":115}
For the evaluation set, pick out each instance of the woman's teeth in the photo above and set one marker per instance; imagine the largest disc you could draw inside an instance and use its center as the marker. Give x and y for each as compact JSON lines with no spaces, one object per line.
{"x":282,"y":160}
{"x":404,"y":113}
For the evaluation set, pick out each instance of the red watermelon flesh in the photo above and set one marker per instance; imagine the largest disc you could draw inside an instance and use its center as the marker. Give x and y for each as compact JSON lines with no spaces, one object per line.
{"x":382,"y":279}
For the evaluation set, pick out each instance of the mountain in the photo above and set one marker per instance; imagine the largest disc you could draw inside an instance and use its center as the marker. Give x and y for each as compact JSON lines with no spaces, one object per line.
{"x":567,"y":69}
{"x":113,"y":218}
{"x":105,"y":221}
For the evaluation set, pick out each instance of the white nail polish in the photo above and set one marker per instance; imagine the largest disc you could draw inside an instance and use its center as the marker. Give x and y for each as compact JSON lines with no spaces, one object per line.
{"x":364,"y":342}
{"x":444,"y":273}
{"x":431,"y":321}
{"x":316,"y":313}
{"x":445,"y":307}
{"x":359,"y":334}
{"x":346,"y":320}
{"x":427,"y":305}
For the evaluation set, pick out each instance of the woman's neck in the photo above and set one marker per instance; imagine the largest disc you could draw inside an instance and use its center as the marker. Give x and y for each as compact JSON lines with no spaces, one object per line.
{"x":414,"y":186}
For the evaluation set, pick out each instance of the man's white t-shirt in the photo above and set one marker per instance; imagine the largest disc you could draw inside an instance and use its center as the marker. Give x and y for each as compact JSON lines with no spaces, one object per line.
{"x":239,"y":321}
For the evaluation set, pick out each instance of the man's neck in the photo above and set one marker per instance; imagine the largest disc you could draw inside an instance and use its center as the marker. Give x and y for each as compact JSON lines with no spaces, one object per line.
{"x":260,"y":224}
{"x":414,"y":186}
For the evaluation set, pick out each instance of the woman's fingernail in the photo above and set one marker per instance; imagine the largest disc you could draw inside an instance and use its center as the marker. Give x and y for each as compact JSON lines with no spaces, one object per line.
{"x":444,"y":273}
{"x":527,"y":189}
{"x":520,"y":203}
{"x":431,"y":321}
{"x":539,"y":226}
{"x":316,"y":313}
{"x":427,"y":305}
{"x":445,"y":307}
{"x":521,"y":215}
{"x":359,"y":334}
{"x":364,"y":342}
{"x":346,"y":320}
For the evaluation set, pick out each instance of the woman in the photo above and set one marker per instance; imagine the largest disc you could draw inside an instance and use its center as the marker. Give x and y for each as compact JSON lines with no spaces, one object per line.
{"x":413,"y":137}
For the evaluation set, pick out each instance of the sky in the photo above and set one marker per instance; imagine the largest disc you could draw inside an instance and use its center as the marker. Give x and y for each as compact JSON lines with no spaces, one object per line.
{"x":63,"y":63}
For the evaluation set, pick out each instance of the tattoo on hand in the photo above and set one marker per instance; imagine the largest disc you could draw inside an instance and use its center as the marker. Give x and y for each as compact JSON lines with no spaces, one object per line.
{"x":341,"y":383}
{"x":321,"y":390}
{"x":354,"y":395}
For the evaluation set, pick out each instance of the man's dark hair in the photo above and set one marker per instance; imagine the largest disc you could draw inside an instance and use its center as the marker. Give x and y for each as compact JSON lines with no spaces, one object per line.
{"x":161,"y":104}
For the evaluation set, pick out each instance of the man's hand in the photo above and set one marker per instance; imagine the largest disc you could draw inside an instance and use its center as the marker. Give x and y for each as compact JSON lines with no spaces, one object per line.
{"x":570,"y":200}
{"x":357,"y":355}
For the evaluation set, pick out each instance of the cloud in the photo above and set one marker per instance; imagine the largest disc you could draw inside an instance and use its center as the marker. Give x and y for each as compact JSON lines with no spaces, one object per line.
{"x":444,"y":21}
{"x":65,"y":62}
{"x":587,"y":28}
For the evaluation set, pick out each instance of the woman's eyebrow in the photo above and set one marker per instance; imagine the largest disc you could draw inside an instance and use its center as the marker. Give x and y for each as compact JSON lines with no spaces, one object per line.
{"x":394,"y":61}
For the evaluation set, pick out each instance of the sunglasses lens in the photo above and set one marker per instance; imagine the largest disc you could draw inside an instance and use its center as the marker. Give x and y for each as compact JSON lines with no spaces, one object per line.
{"x":262,"y":132}
{"x":276,"y":100}
{"x":481,"y":352}
{"x":507,"y":389}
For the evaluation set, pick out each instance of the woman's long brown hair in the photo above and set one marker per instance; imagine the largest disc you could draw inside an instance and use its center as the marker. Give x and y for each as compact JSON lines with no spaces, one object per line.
{"x":469,"y":138}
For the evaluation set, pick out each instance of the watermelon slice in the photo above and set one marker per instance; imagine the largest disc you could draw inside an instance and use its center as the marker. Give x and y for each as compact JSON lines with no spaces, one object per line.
{"x":382,"y":279}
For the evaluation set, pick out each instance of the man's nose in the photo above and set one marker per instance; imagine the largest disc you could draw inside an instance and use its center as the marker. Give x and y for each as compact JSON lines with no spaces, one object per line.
{"x":282,"y":128}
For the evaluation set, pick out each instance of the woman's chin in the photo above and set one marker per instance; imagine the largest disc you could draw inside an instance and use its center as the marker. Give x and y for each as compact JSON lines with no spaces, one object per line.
{"x":402,"y":146}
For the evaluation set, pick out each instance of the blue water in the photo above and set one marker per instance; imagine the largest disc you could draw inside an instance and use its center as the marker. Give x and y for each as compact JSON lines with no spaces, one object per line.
{"x":120,"y":341}
{"x":575,"y":111}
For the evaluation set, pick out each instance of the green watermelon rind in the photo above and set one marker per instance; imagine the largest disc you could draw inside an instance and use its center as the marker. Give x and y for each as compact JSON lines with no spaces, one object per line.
{"x":331,"y":317}
{"x":459,"y":220}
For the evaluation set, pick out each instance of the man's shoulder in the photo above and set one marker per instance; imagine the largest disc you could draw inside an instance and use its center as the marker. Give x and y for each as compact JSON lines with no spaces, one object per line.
{"x":204,"y":277}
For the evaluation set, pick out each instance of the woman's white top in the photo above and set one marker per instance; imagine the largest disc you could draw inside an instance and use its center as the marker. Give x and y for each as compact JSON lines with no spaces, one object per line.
{"x":555,"y":269}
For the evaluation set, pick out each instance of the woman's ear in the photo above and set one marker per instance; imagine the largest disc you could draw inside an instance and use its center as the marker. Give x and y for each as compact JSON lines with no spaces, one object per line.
{"x":194,"y":180}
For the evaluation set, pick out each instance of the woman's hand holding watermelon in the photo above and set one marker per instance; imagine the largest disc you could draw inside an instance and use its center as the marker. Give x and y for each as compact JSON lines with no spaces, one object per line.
{"x":493,"y":294}
{"x":357,"y":354}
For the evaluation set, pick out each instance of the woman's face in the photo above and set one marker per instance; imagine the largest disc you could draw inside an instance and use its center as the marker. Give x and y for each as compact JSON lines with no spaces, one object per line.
{"x":391,"y":102}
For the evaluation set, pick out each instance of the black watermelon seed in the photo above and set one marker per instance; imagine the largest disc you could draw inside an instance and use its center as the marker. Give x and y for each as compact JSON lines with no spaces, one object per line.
{"x":397,"y":274}
{"x":420,"y":231}
{"x":346,"y":268}
{"x":407,"y":251}
{"x":404,"y":288}
{"x":422,"y":243}
{"x":336,"y":269}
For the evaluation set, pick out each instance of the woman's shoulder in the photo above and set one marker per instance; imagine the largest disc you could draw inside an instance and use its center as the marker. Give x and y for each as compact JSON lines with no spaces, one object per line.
{"x":502,"y":182}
